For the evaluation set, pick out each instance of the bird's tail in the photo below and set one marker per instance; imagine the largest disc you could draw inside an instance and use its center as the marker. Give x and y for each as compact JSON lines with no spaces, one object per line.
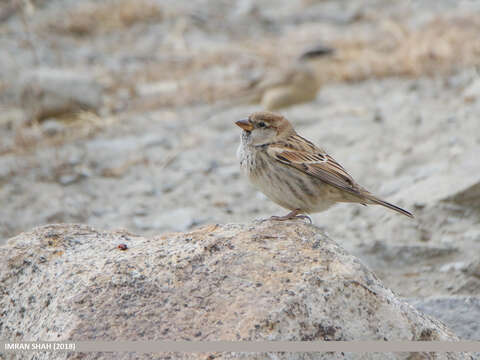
{"x":375,"y":200}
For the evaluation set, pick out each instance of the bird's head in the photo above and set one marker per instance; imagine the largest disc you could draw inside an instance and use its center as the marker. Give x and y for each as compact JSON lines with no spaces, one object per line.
{"x":262,"y":128}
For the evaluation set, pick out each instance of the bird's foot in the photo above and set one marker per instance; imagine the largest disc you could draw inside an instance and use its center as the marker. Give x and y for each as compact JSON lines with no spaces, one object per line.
{"x":291,"y":215}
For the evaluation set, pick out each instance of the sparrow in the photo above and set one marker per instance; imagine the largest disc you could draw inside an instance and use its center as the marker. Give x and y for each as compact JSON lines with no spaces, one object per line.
{"x":295,"y":84}
{"x":293,"y":172}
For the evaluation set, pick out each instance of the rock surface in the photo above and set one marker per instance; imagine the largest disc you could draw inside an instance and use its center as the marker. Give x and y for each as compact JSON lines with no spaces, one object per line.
{"x":47,"y":92}
{"x":460,"y":313}
{"x":263,"y":281}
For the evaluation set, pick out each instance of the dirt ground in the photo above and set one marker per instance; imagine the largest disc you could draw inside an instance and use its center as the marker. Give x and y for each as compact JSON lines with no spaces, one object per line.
{"x":398,"y":108}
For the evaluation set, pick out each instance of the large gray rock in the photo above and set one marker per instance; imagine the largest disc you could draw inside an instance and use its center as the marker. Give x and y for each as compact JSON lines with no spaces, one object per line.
{"x":460,"y":313}
{"x":263,"y":281}
{"x":49,"y":92}
{"x":459,"y":184}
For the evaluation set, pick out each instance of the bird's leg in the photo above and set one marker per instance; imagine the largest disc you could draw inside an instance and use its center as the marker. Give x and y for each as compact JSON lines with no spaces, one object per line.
{"x":294,"y":214}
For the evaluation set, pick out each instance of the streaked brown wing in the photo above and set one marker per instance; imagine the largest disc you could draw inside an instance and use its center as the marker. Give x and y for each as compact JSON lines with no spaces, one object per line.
{"x":306,"y":157}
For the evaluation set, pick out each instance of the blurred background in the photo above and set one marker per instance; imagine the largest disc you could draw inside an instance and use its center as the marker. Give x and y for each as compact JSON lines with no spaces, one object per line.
{"x":120,"y":114}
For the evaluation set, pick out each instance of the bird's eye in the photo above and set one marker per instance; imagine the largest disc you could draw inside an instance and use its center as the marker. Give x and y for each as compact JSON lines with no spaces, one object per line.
{"x":261,"y":124}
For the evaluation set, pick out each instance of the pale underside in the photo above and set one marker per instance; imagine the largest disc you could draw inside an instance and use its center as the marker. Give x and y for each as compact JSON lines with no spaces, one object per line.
{"x":287,"y":186}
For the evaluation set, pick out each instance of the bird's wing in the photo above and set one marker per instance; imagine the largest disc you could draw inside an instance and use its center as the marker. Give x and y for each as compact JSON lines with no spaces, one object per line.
{"x":302,"y":155}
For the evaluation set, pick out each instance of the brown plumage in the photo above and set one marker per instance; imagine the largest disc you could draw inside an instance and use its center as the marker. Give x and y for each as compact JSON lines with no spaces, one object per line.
{"x":293,"y":172}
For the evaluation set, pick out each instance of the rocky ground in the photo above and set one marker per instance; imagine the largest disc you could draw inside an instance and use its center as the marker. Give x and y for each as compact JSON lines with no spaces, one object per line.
{"x":120,"y":115}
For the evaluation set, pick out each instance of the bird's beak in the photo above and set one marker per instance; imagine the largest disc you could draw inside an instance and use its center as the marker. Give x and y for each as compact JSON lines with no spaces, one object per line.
{"x":245,"y":124}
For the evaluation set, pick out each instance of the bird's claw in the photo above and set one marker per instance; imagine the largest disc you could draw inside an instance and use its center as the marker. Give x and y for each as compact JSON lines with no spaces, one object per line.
{"x":305,"y":217}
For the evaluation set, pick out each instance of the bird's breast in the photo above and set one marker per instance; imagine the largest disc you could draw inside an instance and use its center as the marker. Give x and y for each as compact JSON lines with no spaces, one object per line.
{"x":282,"y":184}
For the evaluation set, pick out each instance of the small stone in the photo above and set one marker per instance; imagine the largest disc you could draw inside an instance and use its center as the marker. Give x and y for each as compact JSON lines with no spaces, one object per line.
{"x":473,"y":269}
{"x":69,"y":179}
{"x":472,"y":92}
{"x":52,"y":127}
{"x":378,"y":116}
{"x":456,"y":266}
{"x":47,"y":92}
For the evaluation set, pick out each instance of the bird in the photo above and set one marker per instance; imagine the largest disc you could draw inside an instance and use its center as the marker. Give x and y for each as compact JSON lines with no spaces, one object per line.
{"x":293,"y":172}
{"x":295,"y":84}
